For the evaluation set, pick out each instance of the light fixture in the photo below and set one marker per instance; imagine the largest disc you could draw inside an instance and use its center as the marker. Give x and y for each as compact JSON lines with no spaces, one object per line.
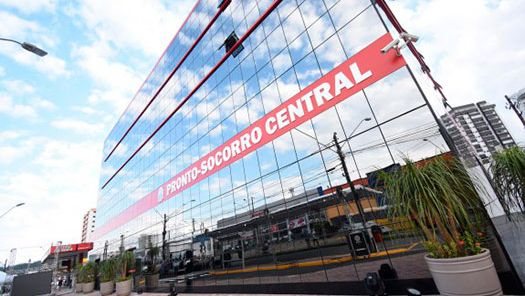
{"x":27,"y":46}
{"x":15,"y":206}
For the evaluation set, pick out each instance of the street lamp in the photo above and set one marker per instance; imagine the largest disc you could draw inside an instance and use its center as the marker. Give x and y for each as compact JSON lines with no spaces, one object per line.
{"x":427,"y":140}
{"x":350,"y":137}
{"x":27,"y":46}
{"x":357,"y":126}
{"x":15,"y":206}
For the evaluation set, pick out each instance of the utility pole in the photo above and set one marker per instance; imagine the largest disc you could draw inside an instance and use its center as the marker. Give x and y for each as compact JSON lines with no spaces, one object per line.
{"x":57,"y":254}
{"x":164,"y":237}
{"x":355,"y":196}
{"x":512,"y":106}
{"x":105,"y":253}
{"x":121,"y":248}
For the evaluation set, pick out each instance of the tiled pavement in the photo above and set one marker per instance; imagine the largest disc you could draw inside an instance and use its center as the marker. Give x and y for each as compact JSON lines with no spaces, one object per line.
{"x":188,"y":294}
{"x":407,"y":266}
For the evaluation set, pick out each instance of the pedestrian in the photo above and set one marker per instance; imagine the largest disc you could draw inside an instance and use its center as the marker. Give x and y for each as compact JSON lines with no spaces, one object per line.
{"x":315,"y":239}
{"x":306,"y":236}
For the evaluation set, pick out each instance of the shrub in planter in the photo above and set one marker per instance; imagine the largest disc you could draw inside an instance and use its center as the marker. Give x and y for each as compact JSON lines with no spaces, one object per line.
{"x":125,"y":262}
{"x":439,"y":198}
{"x":88,"y":277}
{"x":508,"y":170}
{"x":107,"y":271}
{"x":152,"y":272}
{"x":78,"y":278}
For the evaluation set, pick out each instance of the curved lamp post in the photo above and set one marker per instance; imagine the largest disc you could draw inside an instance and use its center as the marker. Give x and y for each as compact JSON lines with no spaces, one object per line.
{"x":15,"y":206}
{"x":27,"y":46}
{"x":434,"y":144}
{"x":359,"y":124}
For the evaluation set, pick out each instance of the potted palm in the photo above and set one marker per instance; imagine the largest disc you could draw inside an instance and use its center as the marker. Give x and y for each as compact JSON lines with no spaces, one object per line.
{"x":152,"y":272}
{"x":439,"y":198}
{"x":88,"y":277}
{"x":78,"y":278}
{"x":107,"y":276}
{"x":508,"y":170}
{"x":126,"y":262}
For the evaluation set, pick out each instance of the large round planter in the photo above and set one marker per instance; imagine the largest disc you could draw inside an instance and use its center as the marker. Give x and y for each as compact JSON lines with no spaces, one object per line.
{"x":107,"y":288}
{"x":88,"y":287}
{"x":124,"y":288}
{"x":471,"y":275}
{"x":78,"y":287}
{"x":152,"y":280}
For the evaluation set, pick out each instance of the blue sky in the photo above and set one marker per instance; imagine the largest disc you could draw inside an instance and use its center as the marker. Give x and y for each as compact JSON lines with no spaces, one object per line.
{"x":56,"y":111}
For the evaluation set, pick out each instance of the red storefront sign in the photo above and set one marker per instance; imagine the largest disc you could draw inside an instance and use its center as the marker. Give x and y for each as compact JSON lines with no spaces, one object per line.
{"x":72,"y":248}
{"x":358,"y":72}
{"x":84,"y":246}
{"x":64,"y":248}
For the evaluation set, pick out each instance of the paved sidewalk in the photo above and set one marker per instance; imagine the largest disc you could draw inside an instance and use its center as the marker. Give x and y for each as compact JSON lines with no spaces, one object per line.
{"x":191,"y":294}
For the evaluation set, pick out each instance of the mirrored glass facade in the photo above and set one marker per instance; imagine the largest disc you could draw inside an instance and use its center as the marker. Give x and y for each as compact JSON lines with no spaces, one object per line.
{"x":276,"y":215}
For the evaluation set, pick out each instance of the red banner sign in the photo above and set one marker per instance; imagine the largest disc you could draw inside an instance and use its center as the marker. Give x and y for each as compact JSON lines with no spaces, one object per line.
{"x":361,"y":70}
{"x":72,"y":248}
{"x":85,"y":246}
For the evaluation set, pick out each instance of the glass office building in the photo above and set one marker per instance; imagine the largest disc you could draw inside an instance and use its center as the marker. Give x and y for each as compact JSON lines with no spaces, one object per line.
{"x":255,"y":195}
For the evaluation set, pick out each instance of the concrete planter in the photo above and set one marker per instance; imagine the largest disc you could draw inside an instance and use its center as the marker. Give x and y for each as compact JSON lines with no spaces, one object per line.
{"x":152,"y":280}
{"x":88,"y":287}
{"x":107,"y":288}
{"x":471,"y":275}
{"x":124,"y":288}
{"x":78,"y":287}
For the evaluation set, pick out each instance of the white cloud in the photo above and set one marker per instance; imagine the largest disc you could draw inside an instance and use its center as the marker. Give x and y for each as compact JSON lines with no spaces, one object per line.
{"x":18,"y":87}
{"x":30,"y":6}
{"x":14,"y":26}
{"x":42,"y":104}
{"x":143,"y":25}
{"x":86,"y":110}
{"x":65,"y":174}
{"x":78,"y":126}
{"x":28,"y":109}
{"x":10,"y":135}
{"x":8,"y":107}
{"x":116,"y":82}
{"x":9,"y":154}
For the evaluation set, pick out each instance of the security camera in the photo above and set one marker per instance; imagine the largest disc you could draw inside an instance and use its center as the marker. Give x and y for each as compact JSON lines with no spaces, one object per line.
{"x":409,"y":37}
{"x":389,"y":46}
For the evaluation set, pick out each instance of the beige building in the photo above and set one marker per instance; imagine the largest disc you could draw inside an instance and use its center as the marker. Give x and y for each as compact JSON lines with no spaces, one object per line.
{"x":88,"y":225}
